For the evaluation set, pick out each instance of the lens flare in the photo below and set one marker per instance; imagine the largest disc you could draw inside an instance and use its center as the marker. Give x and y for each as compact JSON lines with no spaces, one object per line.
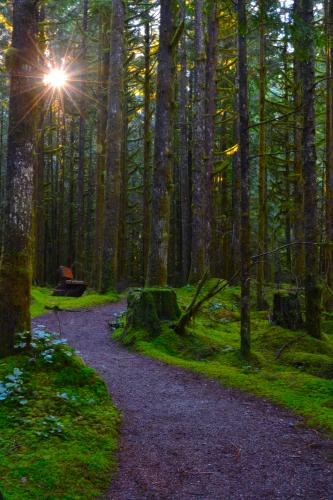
{"x":56,"y":78}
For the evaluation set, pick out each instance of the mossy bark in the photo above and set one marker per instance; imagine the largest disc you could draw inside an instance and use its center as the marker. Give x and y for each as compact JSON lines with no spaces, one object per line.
{"x":114,"y":148}
{"x":16,"y":260}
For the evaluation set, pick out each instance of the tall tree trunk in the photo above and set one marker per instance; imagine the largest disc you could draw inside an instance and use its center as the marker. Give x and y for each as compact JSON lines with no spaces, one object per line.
{"x":163,"y":149}
{"x":329,"y":143}
{"x":312,"y":289}
{"x":71,"y":202}
{"x":146,"y":149}
{"x":79,"y":254}
{"x":185,"y":195}
{"x":114,"y":147}
{"x":39,"y":208}
{"x":299,"y":184}
{"x":287,"y":191}
{"x":211,"y":94}
{"x":104,"y":60}
{"x":245,"y":178}
{"x":262,"y":187}
{"x":17,"y":256}
{"x":199,"y":261}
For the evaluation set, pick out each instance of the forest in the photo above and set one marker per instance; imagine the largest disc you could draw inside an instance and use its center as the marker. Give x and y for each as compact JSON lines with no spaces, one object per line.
{"x":166,"y":193}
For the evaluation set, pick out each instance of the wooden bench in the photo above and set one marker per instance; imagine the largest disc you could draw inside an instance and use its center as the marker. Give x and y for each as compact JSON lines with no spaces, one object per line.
{"x":67,"y":285}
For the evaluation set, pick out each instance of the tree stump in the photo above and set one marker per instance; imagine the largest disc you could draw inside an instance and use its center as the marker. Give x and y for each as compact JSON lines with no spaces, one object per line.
{"x":147,"y":307}
{"x":287,"y":311}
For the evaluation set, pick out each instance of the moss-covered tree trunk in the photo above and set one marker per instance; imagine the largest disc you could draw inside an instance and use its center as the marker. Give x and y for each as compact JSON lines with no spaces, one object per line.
{"x":329,"y":144}
{"x":80,"y":195}
{"x":312,"y":288}
{"x":114,"y":137}
{"x":185,"y":198}
{"x":262,"y":181}
{"x":157,"y":271}
{"x":103,"y":71}
{"x":298,"y":124}
{"x":199,"y":185}
{"x":147,"y":170}
{"x":16,"y":261}
{"x":245,"y":177}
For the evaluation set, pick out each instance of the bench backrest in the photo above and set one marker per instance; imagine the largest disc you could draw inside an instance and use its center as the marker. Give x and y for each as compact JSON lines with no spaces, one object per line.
{"x":65,"y":273}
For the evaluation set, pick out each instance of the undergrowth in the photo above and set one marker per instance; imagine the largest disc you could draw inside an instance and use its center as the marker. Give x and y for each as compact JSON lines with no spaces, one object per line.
{"x":300,"y":378}
{"x":58,"y":426}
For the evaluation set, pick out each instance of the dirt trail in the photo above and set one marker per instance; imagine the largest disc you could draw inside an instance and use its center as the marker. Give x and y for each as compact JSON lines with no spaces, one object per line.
{"x":186,"y":437}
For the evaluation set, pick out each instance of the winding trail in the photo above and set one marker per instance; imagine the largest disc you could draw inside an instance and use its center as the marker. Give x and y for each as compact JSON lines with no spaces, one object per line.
{"x":186,"y":437}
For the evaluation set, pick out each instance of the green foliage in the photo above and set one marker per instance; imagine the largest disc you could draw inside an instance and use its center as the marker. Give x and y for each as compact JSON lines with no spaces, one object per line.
{"x":43,"y":298}
{"x":299,"y":378}
{"x":58,"y":427}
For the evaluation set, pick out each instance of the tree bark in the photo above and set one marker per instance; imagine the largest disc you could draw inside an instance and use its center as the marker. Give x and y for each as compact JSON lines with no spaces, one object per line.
{"x":245,"y":178}
{"x":79,"y":254}
{"x":329,"y":143}
{"x":312,"y":292}
{"x":211,"y":96}
{"x":262,"y":187}
{"x":103,"y":72}
{"x":147,"y":138}
{"x":185,"y":195}
{"x":163,"y":149}
{"x":114,"y":146}
{"x":199,"y":261}
{"x":299,"y":183}
{"x":16,"y":260}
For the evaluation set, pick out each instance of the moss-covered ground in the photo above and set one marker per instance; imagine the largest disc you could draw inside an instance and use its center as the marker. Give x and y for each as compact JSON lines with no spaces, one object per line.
{"x":42,"y":299}
{"x":301,"y":378}
{"x":58,"y":426}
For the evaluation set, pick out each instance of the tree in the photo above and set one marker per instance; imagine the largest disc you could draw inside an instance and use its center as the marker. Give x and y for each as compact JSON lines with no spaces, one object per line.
{"x":262,"y":187}
{"x":163,"y":148}
{"x":114,"y":138}
{"x":312,"y":288}
{"x":200,"y":223}
{"x":16,"y":260}
{"x":245,"y":180}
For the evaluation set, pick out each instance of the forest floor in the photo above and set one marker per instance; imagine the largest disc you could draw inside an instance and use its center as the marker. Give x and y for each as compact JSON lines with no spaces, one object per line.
{"x":185,"y":436}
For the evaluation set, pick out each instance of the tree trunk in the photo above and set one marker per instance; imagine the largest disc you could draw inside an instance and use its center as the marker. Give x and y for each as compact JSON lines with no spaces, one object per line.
{"x":262,"y":187}
{"x":245,"y":180}
{"x":79,"y":254}
{"x":329,"y":143}
{"x":299,"y":184}
{"x":211,"y":96}
{"x":16,"y":262}
{"x":185,"y":201}
{"x":163,"y":151}
{"x":312,"y":294}
{"x":114,"y":147}
{"x":103,"y":72}
{"x":147,"y":137}
{"x":199,"y":261}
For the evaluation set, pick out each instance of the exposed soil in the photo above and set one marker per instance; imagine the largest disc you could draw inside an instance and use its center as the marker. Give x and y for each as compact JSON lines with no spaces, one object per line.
{"x":187,"y":437}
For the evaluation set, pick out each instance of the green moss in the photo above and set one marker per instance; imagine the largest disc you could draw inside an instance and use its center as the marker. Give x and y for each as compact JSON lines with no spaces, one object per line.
{"x":73,"y":463}
{"x":42,"y":298}
{"x":299,"y":379}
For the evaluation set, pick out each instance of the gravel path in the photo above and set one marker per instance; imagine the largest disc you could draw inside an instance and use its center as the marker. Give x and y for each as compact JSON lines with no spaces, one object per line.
{"x":186,"y":437}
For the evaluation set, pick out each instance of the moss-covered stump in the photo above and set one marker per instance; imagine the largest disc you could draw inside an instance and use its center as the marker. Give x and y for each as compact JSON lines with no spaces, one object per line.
{"x":287,"y":311}
{"x":147,"y":307}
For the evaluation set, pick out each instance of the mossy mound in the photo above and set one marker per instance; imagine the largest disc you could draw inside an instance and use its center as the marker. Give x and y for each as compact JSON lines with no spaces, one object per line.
{"x":320,"y":365}
{"x":147,"y":308}
{"x":58,"y":425}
